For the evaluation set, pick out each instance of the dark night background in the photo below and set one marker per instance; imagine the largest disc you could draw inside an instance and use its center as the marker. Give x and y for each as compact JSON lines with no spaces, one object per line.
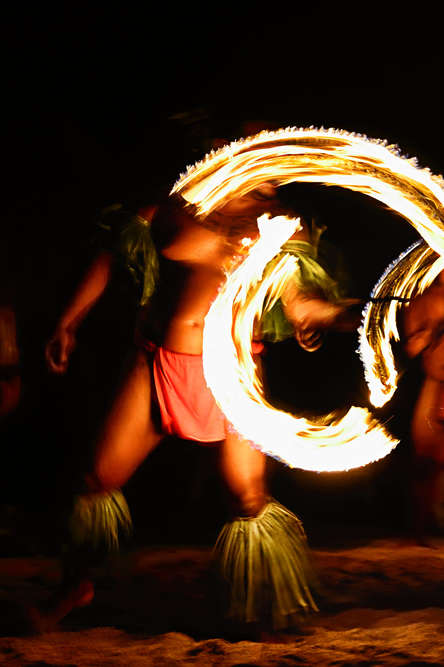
{"x":109,"y":103}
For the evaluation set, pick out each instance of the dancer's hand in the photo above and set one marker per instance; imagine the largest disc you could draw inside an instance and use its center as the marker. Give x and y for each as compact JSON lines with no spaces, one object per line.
{"x":315,"y":316}
{"x":59,"y":348}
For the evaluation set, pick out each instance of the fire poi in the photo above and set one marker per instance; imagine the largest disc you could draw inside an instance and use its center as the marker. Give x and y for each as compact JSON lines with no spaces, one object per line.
{"x":330,"y":157}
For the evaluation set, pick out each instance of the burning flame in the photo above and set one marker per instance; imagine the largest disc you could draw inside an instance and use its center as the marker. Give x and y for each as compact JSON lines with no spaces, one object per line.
{"x":332,"y":157}
{"x":231,"y":374}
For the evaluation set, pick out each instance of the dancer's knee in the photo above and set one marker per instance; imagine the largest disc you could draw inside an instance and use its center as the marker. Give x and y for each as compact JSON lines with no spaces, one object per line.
{"x":101,"y":481}
{"x":251,"y":501}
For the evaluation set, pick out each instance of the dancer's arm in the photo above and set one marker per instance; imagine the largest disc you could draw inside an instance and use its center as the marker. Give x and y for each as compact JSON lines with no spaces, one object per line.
{"x":63,"y":340}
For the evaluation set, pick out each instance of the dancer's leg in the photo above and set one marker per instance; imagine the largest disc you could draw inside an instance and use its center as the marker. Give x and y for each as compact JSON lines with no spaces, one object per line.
{"x":100,"y":511}
{"x":261,"y":555}
{"x":129,"y":433}
{"x":244,"y":472}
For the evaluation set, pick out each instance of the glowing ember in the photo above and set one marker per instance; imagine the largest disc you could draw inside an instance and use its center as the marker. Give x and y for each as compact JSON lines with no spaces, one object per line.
{"x":331,"y":157}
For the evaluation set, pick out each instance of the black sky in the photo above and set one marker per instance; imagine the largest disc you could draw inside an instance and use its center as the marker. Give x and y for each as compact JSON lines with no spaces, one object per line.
{"x":91,"y":87}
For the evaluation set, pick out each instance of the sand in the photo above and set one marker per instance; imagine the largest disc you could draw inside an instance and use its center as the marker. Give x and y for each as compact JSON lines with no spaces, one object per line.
{"x":381,"y":604}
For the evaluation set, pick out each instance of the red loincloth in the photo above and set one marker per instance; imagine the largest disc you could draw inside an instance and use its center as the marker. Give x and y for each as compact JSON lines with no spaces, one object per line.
{"x":187,"y":406}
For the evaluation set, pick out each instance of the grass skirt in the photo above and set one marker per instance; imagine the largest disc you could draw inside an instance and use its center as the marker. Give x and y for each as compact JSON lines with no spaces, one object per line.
{"x":265,"y":566}
{"x":98,"y":520}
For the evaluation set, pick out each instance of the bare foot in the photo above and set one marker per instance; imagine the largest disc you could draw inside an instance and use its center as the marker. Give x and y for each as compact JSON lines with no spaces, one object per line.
{"x":45,"y":619}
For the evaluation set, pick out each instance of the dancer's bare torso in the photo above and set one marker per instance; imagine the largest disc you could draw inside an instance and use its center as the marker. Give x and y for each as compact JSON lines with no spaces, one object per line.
{"x":194,"y":259}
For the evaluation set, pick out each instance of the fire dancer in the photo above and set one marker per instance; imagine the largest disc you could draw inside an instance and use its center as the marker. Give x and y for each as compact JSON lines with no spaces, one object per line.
{"x":262,"y":553}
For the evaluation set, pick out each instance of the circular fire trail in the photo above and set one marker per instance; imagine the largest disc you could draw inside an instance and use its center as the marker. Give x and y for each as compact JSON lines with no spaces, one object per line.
{"x":330,"y":157}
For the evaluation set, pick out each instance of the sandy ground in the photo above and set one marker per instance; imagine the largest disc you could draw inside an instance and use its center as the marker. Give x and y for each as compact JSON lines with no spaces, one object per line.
{"x":382,"y":604}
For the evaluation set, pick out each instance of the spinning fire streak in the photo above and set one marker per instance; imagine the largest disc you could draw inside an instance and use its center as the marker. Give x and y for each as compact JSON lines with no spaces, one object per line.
{"x":331,"y":157}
